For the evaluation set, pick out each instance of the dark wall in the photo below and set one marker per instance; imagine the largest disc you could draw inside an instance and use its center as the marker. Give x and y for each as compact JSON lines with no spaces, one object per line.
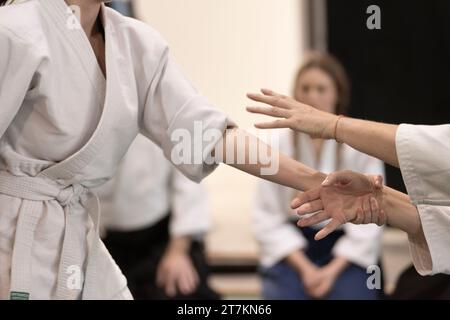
{"x":400,"y":73}
{"x":126,"y":8}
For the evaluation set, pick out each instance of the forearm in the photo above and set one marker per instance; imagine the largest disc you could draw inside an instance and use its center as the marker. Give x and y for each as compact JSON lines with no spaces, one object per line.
{"x":282,"y":169}
{"x":338,"y":265}
{"x":300,"y":262}
{"x":401,"y":213}
{"x":373,"y":138}
{"x":179,"y":244}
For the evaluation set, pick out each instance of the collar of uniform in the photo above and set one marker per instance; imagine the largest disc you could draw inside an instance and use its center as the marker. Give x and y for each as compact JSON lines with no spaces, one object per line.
{"x":68,"y":25}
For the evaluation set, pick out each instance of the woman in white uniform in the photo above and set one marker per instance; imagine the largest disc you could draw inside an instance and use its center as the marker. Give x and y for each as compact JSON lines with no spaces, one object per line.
{"x":421,"y":152}
{"x":73,"y":96}
{"x":155,"y":220}
{"x":294,"y":266}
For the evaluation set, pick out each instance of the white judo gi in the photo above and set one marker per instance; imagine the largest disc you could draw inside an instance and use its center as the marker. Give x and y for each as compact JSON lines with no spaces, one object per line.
{"x":146,"y":188}
{"x":424,"y":157}
{"x":64,"y":129}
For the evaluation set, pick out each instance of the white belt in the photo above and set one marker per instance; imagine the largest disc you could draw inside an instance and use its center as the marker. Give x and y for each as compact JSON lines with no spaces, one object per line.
{"x":33,"y":190}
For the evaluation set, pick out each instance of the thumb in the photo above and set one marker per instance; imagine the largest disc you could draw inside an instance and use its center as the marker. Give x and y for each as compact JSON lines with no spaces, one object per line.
{"x":336,"y":178}
{"x":378,"y":180}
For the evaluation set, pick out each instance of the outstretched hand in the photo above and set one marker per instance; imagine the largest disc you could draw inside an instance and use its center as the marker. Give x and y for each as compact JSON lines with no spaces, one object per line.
{"x":293,"y":114}
{"x":343,"y":197}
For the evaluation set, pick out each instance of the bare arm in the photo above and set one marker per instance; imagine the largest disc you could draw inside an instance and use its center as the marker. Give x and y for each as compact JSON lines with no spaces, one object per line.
{"x":400,"y":212}
{"x":375,"y":139}
{"x":286,"y":171}
{"x":300,"y":262}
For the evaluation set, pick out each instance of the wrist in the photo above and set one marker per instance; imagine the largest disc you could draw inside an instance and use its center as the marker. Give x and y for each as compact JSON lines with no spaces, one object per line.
{"x":300,"y":263}
{"x":305,"y":268}
{"x":337,"y":265}
{"x":180,"y":245}
{"x":336,"y":132}
{"x":332,"y":120}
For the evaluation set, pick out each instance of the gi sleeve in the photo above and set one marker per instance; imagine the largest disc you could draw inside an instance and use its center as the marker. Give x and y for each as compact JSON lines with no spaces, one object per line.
{"x":190,"y":207}
{"x":19,"y":61}
{"x":424,"y":157}
{"x":182,"y":122}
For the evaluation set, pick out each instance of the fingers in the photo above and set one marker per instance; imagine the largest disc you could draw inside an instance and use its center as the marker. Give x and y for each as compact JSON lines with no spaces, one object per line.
{"x":313,"y":220}
{"x":378,"y":215}
{"x":277,"y":124}
{"x":370,"y":212}
{"x":269,"y":92}
{"x":378,"y":181}
{"x":187,"y":282}
{"x":305,"y":197}
{"x":359,"y":216}
{"x":367,"y":210}
{"x":270,"y":111}
{"x":310,"y":207}
{"x":167,"y":280}
{"x":337,"y":178}
{"x":382,"y":220}
{"x":160,"y":277}
{"x":170,"y":286}
{"x":330,"y":227}
{"x":273,"y":100}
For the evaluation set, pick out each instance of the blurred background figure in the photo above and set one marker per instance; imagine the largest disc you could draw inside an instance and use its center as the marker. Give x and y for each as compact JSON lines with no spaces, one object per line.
{"x":294,"y":265}
{"x":155,"y":220}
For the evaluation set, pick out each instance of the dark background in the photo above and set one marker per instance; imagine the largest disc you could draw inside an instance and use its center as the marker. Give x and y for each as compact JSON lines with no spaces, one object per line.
{"x":401,"y":73}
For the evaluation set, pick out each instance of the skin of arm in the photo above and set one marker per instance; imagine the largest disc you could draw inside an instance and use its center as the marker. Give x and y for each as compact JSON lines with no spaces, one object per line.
{"x":400,"y":212}
{"x":290,"y":173}
{"x":375,"y":139}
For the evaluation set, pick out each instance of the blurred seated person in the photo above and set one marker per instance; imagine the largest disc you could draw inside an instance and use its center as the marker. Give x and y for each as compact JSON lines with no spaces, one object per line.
{"x":155,"y":220}
{"x":294,"y":265}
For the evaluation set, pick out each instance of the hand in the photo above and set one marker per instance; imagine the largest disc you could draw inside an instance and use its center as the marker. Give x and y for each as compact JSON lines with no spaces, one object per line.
{"x":176,"y":273}
{"x":306,"y":270}
{"x":310,"y":278}
{"x":294,"y":115}
{"x":318,"y":282}
{"x":325,"y":279}
{"x":343,"y":197}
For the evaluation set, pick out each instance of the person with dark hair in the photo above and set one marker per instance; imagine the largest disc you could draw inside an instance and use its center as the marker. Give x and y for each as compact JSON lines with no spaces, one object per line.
{"x":294,"y":266}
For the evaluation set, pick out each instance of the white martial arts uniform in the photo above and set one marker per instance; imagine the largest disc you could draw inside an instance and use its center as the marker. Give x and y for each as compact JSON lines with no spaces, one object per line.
{"x":146,"y":188}
{"x":424,"y":158}
{"x":278,"y":237}
{"x":64,"y":129}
